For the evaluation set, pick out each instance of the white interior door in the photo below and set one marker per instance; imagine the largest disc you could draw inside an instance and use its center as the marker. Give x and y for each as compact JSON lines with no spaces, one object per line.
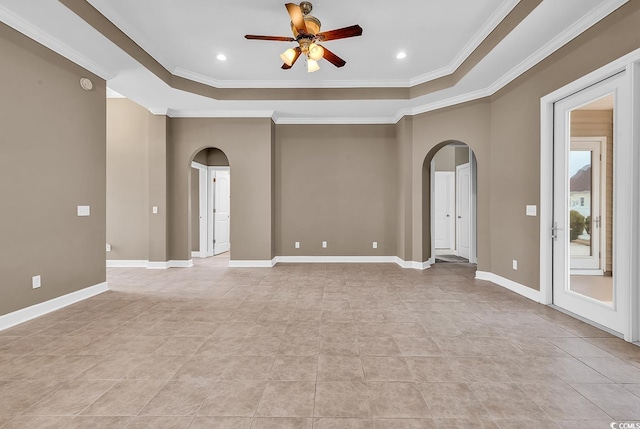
{"x":463,"y":186}
{"x":444,"y":202}
{"x":221,"y":211}
{"x":568,"y":290}
{"x":586,"y":203}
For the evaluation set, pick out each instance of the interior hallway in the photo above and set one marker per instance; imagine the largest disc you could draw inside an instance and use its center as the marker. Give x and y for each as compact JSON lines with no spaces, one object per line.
{"x":317,"y":345}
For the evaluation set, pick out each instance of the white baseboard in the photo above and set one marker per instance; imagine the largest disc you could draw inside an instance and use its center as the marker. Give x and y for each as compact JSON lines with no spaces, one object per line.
{"x":262,"y":263}
{"x":157,"y":265}
{"x":126,"y":263}
{"x":20,"y":316}
{"x":336,"y":259}
{"x":509,"y":284}
{"x":148,"y":264}
{"x":413,"y":264}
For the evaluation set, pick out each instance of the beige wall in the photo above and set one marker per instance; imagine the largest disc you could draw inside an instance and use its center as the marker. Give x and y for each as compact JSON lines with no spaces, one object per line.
{"x":336,"y":184}
{"x":127,"y":180}
{"x":52,"y":159}
{"x":515,"y":139}
{"x":445,"y":159}
{"x":247,"y":143}
{"x":599,"y":123}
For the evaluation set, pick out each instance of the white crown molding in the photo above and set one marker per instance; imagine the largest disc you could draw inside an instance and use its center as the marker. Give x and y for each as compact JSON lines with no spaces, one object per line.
{"x":111,"y":93}
{"x":518,"y":288}
{"x":37,"y":310}
{"x":17,"y":23}
{"x":496,"y":18}
{"x":176,"y":113}
{"x":159,"y":111}
{"x":289,"y":84}
{"x":334,"y":121}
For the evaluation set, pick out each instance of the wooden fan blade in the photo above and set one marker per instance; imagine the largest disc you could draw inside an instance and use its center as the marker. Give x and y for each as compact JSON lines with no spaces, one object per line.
{"x":340,"y":33}
{"x":274,"y":38}
{"x":285,"y":66}
{"x":333,"y":58}
{"x":296,"y":17}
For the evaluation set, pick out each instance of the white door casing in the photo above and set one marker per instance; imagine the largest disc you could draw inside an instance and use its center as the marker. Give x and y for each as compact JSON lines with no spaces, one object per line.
{"x":613,"y":316}
{"x":202,"y":209}
{"x":463,"y":209}
{"x":444,"y":201}
{"x":592,"y":263}
{"x":222,"y":211}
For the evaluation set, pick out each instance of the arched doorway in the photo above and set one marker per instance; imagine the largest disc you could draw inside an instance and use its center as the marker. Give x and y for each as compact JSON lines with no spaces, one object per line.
{"x":450,"y":203}
{"x":209,"y":203}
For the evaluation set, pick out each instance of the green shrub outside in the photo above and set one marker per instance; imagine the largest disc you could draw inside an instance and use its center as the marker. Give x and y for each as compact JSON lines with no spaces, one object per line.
{"x":576,"y":223}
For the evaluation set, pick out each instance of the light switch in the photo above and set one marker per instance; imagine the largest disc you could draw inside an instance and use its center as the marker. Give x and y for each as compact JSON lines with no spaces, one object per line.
{"x":375,"y":244}
{"x":324,"y":244}
{"x":297,"y":245}
{"x":155,"y":209}
{"x":84,"y":210}
{"x":36,"y":282}
{"x":532,"y":210}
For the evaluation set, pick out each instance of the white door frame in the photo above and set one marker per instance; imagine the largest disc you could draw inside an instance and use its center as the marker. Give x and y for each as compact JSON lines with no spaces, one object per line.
{"x":210,"y":206}
{"x":451,"y":208}
{"x":625,"y":209}
{"x":473,"y":214}
{"x":466,"y":165}
{"x":202,"y":208}
{"x":599,"y":174}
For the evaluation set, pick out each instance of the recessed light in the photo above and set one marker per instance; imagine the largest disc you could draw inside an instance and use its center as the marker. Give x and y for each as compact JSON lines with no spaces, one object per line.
{"x":221,"y":57}
{"x":401,"y":55}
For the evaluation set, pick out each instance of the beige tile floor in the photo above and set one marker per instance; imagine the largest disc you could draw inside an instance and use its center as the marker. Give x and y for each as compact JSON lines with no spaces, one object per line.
{"x":312,"y":346}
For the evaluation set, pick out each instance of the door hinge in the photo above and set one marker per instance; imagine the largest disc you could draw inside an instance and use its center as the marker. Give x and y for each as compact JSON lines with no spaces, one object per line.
{"x":214,"y":210}
{"x":214,"y":241}
{"x":214,"y":180}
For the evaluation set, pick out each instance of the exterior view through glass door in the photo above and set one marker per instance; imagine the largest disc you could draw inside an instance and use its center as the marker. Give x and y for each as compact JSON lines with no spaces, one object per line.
{"x":585,"y":129}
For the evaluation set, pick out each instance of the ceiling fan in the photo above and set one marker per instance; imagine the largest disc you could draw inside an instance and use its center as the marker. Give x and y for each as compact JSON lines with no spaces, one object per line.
{"x":306,"y":31}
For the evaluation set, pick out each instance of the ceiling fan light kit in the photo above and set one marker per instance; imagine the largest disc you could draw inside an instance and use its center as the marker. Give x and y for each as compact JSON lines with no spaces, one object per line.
{"x":306,"y":31}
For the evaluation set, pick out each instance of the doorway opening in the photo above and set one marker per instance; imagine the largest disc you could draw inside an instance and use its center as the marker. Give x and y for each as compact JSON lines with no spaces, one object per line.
{"x":453,"y":187}
{"x":210,"y":204}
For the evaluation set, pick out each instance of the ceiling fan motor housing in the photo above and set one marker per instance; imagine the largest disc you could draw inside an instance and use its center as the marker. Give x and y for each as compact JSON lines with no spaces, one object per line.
{"x":311,"y":22}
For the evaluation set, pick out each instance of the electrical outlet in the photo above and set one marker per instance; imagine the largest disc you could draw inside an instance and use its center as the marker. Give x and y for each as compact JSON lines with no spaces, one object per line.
{"x":375,"y":244}
{"x":297,"y":245}
{"x":324,"y":244}
{"x":36,"y":282}
{"x":108,"y":247}
{"x":155,"y":209}
{"x":515,"y":264}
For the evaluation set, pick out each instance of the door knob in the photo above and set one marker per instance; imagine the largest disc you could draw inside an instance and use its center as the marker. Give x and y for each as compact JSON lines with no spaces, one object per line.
{"x":459,"y":217}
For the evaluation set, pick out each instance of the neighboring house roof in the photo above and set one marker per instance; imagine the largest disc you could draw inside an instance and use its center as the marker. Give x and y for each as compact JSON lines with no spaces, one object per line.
{"x":581,"y":181}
